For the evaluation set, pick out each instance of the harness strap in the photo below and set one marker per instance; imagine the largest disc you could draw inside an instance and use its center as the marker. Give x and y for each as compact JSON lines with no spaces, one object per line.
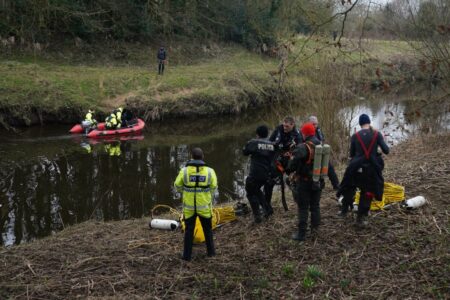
{"x":372,"y":143}
{"x":311,"y":153}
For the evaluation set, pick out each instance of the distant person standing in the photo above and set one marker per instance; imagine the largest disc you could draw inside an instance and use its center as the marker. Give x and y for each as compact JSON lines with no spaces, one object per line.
{"x":162,"y":56}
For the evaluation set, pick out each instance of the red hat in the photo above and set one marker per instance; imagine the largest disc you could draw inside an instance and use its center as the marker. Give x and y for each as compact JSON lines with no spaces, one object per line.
{"x":308,"y":129}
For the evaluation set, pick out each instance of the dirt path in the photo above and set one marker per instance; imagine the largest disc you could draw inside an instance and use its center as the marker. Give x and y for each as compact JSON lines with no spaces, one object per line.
{"x":403,"y":255}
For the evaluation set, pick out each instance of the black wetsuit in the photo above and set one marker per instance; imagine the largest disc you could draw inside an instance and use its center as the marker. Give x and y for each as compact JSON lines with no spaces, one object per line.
{"x":262,"y":153}
{"x":307,"y":193}
{"x":364,"y":170}
{"x":284,"y":142}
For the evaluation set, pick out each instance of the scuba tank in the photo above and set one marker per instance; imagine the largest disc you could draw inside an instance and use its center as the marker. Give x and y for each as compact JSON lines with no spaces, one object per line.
{"x":321,"y":161}
{"x":317,"y":165}
{"x":326,"y":149}
{"x":415,"y":202}
{"x":164,"y":224}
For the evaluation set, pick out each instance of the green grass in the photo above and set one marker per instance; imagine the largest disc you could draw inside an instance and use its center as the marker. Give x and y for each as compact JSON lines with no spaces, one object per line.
{"x":52,"y":85}
{"x":227,"y":81}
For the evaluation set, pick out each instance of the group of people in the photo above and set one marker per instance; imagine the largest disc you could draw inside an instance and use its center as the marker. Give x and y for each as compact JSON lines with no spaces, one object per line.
{"x":292,"y":152}
{"x":117,"y":119}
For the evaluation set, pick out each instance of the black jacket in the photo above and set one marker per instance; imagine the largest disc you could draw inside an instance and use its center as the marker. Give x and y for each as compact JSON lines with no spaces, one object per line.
{"x":319,"y":134}
{"x":373,"y":165}
{"x":284,"y":140}
{"x":161,"y":54}
{"x":300,"y":157}
{"x":262,"y":153}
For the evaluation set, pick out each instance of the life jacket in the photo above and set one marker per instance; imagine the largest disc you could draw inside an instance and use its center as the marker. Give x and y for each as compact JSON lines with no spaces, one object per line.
{"x":118,"y":113}
{"x":198,"y":185}
{"x":112,"y":122}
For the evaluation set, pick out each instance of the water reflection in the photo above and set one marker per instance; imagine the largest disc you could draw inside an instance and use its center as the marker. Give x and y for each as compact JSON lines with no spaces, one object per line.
{"x":49,"y":180}
{"x":398,"y":120}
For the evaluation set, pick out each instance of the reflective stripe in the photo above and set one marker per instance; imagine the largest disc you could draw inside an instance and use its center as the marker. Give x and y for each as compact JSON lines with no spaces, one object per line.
{"x":185,"y":176}
{"x":209,"y":176}
{"x":196,"y":190}
{"x":198,"y":207}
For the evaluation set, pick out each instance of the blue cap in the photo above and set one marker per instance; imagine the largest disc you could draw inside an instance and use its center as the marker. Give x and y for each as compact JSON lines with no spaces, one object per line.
{"x":364,"y":119}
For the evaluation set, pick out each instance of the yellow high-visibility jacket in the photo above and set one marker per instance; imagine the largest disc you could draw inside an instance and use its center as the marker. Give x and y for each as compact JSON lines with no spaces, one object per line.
{"x":198,"y":183}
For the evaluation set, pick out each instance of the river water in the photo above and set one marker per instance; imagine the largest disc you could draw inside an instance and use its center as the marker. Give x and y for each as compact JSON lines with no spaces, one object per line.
{"x":50,"y":179}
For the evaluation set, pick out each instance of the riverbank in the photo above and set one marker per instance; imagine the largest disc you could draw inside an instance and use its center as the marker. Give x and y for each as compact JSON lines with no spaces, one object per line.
{"x":404,"y":254}
{"x":200,"y":80}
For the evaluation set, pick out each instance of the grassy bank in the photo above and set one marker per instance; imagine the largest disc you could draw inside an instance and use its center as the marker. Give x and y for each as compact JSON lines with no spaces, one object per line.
{"x":403,"y":254}
{"x":53,"y":88}
{"x":202,"y":80}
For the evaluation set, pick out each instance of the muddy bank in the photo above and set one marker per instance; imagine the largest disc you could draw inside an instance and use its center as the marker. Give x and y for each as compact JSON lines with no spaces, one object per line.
{"x":404,"y":254}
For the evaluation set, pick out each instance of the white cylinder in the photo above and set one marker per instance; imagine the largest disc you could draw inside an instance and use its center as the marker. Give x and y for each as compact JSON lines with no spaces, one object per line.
{"x":340,"y":200}
{"x":415,"y":202}
{"x":164,"y":224}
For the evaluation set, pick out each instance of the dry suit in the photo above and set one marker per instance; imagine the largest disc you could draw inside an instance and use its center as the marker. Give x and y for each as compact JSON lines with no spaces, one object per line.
{"x":307,"y":192}
{"x":284,"y":143}
{"x":262,"y":153}
{"x":198,"y":183}
{"x":364,"y":170}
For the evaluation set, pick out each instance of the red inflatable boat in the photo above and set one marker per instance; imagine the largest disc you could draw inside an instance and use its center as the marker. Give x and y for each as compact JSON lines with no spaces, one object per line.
{"x":79,"y":129}
{"x":98,"y":133}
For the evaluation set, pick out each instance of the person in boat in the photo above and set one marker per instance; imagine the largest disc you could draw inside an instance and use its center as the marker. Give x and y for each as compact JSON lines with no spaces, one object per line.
{"x":332,"y":176}
{"x":285,"y":137}
{"x":307,"y":191}
{"x":128,"y":118}
{"x":262,"y":153}
{"x":114,"y":120}
{"x":364,"y":171}
{"x":198,"y":183}
{"x":90,"y":118}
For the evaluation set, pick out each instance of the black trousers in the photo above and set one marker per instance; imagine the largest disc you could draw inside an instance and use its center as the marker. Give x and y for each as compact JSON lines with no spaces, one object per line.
{"x":333,"y":176}
{"x":364,"y":181}
{"x":161,"y":67}
{"x":308,"y":200}
{"x":189,"y":236}
{"x":255,"y":196}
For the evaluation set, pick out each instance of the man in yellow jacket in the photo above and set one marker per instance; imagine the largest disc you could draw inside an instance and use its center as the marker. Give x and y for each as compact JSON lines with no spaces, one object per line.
{"x":197,"y":182}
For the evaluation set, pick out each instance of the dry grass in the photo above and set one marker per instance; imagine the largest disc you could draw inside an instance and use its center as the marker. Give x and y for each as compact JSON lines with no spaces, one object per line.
{"x":403,"y":255}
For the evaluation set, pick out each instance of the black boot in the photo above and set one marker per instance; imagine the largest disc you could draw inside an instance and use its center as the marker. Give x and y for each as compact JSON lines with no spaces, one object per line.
{"x":361,"y":221}
{"x":298,"y":236}
{"x":258,"y":218}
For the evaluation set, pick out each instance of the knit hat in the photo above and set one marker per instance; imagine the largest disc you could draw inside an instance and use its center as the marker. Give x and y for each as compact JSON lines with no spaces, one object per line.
{"x":364,"y":119}
{"x":308,"y":129}
{"x":262,"y":131}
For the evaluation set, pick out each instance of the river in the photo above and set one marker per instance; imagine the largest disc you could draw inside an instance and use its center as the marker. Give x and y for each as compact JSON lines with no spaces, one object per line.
{"x":50,"y":179}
